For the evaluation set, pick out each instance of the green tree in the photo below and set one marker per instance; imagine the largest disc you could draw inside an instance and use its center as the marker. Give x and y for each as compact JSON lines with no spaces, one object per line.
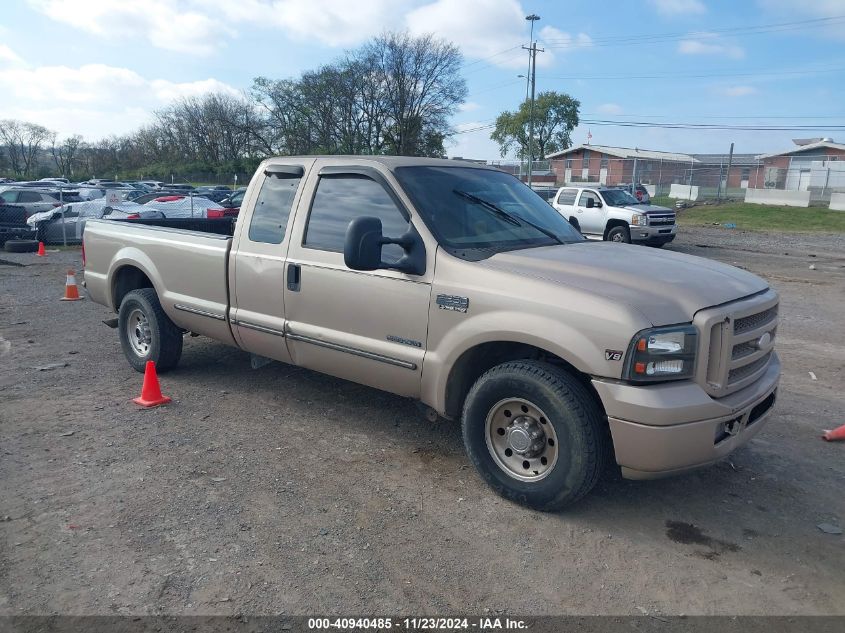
{"x":555,"y":116}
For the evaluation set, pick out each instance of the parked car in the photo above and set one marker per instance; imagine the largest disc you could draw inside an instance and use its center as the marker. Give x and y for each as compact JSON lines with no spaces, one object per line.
{"x":451,"y":283}
{"x":67,"y":224}
{"x":235,"y":200}
{"x":638,"y":191}
{"x":153,"y":184}
{"x":32,"y":200}
{"x":218,"y":193}
{"x":180,"y":186}
{"x":13,"y":224}
{"x":546,"y":193}
{"x":615,"y":215}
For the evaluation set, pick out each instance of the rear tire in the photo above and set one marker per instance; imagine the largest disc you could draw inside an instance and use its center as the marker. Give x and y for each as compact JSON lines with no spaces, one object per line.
{"x":21,"y":246}
{"x":619,"y":234}
{"x":147,"y":333}
{"x":575,"y":224}
{"x":535,"y":434}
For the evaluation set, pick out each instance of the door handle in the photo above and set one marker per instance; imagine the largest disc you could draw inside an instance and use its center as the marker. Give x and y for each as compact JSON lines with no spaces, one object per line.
{"x":294,"y":277}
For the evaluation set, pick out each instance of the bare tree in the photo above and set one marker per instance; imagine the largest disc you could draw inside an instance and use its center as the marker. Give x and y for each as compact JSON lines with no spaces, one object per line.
{"x":23,"y":140}
{"x":65,"y":153}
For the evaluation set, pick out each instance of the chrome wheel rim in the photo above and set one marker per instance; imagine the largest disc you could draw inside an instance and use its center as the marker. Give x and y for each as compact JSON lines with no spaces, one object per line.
{"x":521,"y":439}
{"x":616,"y":237}
{"x":138,"y":332}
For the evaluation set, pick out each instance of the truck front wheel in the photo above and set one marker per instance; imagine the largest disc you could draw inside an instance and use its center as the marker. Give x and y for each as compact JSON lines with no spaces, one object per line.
{"x":619,"y":234}
{"x":535,"y":434}
{"x":147,"y":333}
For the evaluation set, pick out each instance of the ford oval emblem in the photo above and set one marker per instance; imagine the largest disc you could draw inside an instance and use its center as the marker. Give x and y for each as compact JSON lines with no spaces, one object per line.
{"x":761,"y":342}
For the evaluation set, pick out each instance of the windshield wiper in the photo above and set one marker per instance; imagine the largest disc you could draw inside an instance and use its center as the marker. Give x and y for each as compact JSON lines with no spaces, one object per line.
{"x":504,"y":215}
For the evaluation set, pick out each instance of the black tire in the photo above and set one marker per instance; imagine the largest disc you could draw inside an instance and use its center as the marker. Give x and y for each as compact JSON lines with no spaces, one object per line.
{"x":575,"y":224}
{"x":571,"y":410}
{"x":164,"y":341}
{"x":21,"y":246}
{"x":619,"y":234}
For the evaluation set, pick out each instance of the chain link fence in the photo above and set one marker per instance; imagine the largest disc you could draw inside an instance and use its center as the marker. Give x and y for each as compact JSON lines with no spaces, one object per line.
{"x":705,"y":177}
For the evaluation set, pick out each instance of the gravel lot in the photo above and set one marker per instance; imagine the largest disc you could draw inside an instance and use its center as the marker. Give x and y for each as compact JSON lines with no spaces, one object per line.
{"x":284,"y":491}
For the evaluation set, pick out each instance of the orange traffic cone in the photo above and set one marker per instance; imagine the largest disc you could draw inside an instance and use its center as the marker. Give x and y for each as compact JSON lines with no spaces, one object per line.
{"x":151,"y":391}
{"x":41,"y":251}
{"x":835,"y":434}
{"x":71,"y":291}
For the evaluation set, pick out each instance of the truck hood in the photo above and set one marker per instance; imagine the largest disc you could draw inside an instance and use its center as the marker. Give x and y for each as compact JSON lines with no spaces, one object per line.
{"x":665,"y":287}
{"x":646,"y":208}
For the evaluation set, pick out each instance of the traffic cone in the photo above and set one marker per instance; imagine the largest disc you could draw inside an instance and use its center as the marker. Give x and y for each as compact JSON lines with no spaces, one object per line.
{"x":835,"y":434}
{"x":71,"y":291}
{"x":41,"y":251}
{"x":151,"y":391}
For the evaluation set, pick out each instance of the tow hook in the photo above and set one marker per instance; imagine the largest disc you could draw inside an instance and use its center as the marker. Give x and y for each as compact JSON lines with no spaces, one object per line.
{"x":733,"y":427}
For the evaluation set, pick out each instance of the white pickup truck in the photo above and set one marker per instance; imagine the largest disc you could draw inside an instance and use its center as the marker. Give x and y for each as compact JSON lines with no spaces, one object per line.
{"x":615,"y":215}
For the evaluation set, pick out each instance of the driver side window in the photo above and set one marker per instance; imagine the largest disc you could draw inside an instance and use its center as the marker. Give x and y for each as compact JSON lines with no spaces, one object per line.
{"x":587,"y":195}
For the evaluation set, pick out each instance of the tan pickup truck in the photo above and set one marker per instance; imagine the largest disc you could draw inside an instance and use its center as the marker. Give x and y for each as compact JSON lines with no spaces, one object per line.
{"x":455,"y":284}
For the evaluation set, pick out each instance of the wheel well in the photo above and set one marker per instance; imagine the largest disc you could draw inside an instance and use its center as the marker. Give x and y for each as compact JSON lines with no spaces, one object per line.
{"x":612,"y":224}
{"x":574,"y":221}
{"x":126,"y":280}
{"x":477,"y":360}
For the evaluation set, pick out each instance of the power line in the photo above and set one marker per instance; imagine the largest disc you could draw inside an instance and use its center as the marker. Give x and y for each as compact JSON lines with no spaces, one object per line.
{"x":714,"y":126}
{"x":657,"y":38}
{"x":683,"y":75}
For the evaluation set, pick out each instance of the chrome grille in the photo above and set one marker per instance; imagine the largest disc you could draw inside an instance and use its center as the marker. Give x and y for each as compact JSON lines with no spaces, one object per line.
{"x":755,"y":320}
{"x":740,"y":373}
{"x":738,"y":343}
{"x":661,"y":220}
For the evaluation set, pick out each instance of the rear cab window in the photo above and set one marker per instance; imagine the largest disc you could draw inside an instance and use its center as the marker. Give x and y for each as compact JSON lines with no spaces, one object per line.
{"x":272,"y":208}
{"x":566,"y":197}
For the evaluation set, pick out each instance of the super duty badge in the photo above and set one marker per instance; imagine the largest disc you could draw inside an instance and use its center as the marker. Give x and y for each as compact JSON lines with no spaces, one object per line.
{"x":453,"y":303}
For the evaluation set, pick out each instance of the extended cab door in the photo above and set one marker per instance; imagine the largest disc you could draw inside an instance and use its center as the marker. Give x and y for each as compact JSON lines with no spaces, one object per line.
{"x":257,"y":263}
{"x":369,"y":327}
{"x":591,"y":219}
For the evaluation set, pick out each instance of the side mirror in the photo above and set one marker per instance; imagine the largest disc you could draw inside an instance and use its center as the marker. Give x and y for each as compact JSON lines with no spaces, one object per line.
{"x":590,"y":203}
{"x":364,"y":239}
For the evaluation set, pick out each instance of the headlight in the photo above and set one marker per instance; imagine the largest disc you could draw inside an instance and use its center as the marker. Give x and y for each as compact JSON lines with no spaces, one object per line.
{"x":665,"y":353}
{"x":639,"y":220}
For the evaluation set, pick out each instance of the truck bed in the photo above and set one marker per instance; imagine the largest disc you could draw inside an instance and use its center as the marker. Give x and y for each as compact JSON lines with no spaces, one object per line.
{"x":188,"y":268}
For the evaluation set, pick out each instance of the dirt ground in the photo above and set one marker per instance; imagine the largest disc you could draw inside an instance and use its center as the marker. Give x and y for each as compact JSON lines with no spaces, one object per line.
{"x":279,"y":490}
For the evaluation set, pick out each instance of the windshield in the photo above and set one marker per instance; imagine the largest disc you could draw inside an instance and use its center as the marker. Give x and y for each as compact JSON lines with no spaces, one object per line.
{"x":470,"y":208}
{"x":618,"y":198}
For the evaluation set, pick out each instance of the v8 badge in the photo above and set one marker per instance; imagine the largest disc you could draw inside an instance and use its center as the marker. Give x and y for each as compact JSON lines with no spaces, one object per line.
{"x":613,"y":354}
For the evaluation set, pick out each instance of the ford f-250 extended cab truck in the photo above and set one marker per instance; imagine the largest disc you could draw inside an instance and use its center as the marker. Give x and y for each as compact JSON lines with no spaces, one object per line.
{"x":615,"y":215}
{"x":455,"y":284}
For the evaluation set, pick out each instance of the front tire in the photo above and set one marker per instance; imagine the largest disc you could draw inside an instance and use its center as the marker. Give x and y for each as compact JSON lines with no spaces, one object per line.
{"x":535,"y":434}
{"x":147,"y":333}
{"x":621,"y":234}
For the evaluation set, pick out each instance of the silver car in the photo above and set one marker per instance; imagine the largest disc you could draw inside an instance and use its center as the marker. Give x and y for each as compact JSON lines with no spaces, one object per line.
{"x":32,"y":200}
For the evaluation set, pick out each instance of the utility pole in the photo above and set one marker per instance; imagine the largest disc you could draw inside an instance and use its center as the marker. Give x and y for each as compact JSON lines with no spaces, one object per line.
{"x":728,"y":174}
{"x":533,"y":50}
{"x":531,"y":18}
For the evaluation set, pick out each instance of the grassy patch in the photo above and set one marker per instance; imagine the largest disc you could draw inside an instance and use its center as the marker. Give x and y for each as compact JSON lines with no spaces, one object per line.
{"x":758,"y":217}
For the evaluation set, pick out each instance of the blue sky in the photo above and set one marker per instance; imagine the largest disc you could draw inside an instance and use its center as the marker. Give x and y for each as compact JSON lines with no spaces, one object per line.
{"x":100,"y":67}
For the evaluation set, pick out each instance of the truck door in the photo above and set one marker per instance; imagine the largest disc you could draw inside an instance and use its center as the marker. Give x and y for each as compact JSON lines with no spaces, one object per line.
{"x":591,"y":219}
{"x":368,"y":327}
{"x":257,"y":267}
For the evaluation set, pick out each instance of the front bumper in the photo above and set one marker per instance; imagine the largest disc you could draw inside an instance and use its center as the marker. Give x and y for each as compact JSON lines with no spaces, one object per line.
{"x":661,"y":430}
{"x":659,"y":233}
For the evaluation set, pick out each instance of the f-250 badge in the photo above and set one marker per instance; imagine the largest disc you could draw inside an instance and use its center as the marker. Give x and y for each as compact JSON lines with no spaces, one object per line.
{"x":612,"y":354}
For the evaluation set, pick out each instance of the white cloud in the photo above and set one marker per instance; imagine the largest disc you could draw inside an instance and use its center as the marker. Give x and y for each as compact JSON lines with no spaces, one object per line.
{"x":679,"y":7}
{"x":92,"y":100}
{"x":738,"y":91}
{"x":469,"y":106}
{"x":485,"y":28}
{"x":610,"y":108}
{"x":9,"y":58}
{"x":199,"y":27}
{"x":709,"y":44}
{"x":165,"y":24}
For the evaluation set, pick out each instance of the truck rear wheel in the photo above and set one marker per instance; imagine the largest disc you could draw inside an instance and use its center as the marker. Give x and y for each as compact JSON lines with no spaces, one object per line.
{"x":534,"y":433}
{"x":147,"y":333}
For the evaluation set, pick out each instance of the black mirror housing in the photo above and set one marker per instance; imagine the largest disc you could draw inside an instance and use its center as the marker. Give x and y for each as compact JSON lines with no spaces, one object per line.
{"x":364,"y":240}
{"x":362,"y":248}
